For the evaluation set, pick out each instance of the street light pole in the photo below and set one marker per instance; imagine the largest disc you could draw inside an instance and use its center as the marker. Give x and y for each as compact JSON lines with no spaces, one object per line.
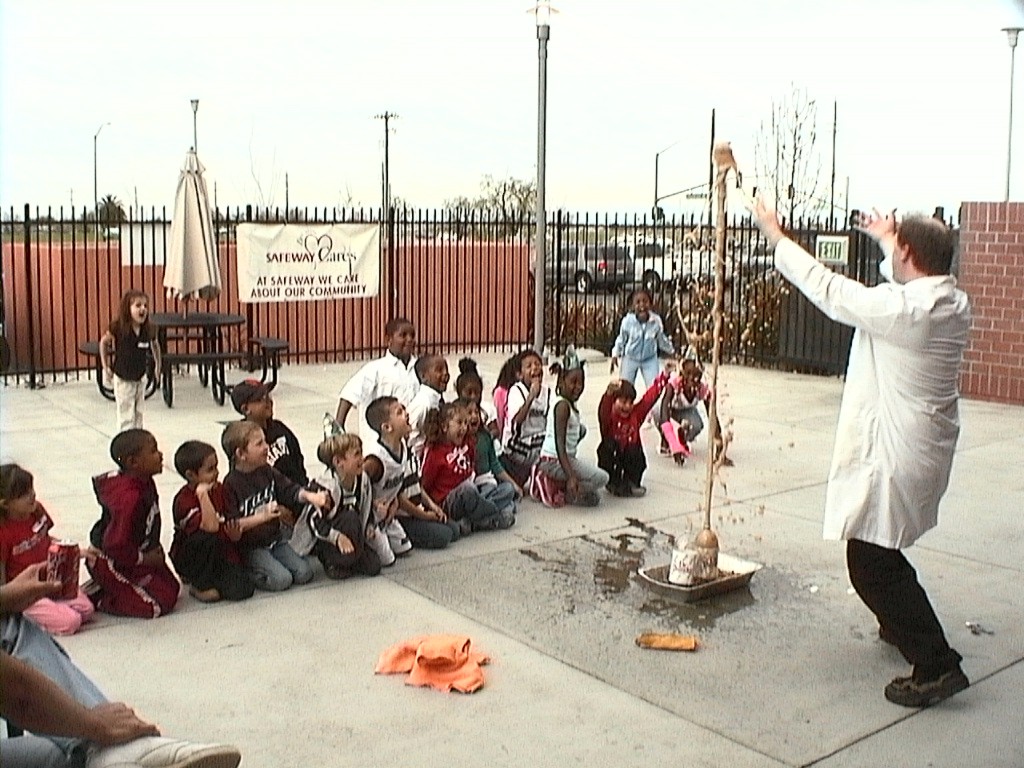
{"x":95,"y":176}
{"x":1011,"y":38}
{"x":195,"y":139}
{"x":656,"y":212}
{"x":543,"y":17}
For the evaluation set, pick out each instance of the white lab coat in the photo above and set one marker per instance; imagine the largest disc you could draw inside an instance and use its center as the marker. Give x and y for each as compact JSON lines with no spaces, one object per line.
{"x":898,"y":422}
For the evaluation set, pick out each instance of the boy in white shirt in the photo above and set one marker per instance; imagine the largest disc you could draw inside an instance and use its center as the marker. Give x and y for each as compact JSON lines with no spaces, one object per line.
{"x":432,"y":372}
{"x":392,"y":375}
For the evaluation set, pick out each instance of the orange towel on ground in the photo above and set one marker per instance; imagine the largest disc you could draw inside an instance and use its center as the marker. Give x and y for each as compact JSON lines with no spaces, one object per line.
{"x":445,"y":662}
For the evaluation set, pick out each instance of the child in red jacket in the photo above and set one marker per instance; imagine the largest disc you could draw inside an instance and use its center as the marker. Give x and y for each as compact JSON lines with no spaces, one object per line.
{"x":449,"y":466}
{"x":621,"y":454}
{"x":128,"y":564}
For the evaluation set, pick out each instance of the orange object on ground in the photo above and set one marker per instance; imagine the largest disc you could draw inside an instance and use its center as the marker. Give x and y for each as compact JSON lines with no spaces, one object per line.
{"x":445,"y":662}
{"x":668,"y":641}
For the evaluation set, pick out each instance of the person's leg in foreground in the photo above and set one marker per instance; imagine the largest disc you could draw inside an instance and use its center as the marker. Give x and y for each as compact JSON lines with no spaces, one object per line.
{"x":43,"y":691}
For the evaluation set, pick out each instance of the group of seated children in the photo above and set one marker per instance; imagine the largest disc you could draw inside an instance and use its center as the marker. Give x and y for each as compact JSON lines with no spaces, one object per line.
{"x":433,"y":472}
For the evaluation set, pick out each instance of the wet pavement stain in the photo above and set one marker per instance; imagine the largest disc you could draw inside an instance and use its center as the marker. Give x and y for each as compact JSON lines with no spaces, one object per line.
{"x":532,"y":555}
{"x":651,"y":531}
{"x":701,"y":615}
{"x":554,"y":565}
{"x":612,"y":562}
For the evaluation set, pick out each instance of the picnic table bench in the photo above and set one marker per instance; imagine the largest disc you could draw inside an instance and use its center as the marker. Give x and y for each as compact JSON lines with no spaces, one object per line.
{"x":92,"y":349}
{"x":268,"y":351}
{"x":197,"y":339}
{"x":212,"y":366}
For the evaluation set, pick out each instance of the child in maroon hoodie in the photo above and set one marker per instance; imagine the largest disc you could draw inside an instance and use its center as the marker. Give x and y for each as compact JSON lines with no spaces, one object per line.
{"x":127,"y":564}
{"x":621,"y":454}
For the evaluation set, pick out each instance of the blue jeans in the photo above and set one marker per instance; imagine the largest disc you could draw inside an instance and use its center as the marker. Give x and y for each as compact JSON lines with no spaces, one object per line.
{"x":502,"y":495}
{"x":591,"y":479}
{"x":277,"y":567}
{"x":648,"y":368}
{"x":466,"y":502}
{"x":24,"y":640}
{"x":690,"y":421}
{"x":430,"y":534}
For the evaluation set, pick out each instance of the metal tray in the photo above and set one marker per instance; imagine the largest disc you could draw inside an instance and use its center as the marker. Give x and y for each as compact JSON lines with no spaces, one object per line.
{"x":736,"y":573}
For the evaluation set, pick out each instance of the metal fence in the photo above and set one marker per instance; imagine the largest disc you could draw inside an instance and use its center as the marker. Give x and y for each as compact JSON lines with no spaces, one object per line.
{"x":462,"y":277}
{"x":595,"y":263}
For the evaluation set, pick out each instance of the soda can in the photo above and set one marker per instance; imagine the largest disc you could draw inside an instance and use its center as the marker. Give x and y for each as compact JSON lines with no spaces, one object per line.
{"x":62,"y":565}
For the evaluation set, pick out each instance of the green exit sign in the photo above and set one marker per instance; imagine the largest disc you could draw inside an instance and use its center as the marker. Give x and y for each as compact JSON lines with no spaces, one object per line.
{"x":833,"y":250}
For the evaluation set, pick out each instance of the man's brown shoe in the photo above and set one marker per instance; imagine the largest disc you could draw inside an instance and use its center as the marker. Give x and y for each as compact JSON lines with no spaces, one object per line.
{"x":907,"y":692}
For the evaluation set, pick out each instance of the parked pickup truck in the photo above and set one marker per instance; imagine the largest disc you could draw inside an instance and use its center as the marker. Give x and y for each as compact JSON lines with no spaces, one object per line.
{"x":654,"y":264}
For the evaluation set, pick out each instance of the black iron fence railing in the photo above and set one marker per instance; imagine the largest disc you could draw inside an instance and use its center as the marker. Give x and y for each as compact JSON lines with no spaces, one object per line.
{"x":464,"y":278}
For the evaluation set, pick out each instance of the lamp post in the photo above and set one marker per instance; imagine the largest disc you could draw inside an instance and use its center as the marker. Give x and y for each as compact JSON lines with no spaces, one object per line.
{"x":542,"y":13}
{"x":95,"y":177}
{"x":195,"y":139}
{"x":656,"y":212}
{"x":1011,"y":38}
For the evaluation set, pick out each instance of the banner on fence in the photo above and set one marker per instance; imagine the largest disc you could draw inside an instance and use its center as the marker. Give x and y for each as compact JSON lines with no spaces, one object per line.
{"x":307,"y":262}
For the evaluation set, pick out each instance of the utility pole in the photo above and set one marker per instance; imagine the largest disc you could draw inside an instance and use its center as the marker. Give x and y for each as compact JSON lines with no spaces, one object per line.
{"x":392,"y":303}
{"x":711,"y":178}
{"x":95,"y":177}
{"x":387,"y":117}
{"x":832,"y":194}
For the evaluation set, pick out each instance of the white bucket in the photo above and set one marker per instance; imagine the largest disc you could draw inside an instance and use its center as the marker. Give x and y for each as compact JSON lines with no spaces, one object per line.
{"x":681,"y":570}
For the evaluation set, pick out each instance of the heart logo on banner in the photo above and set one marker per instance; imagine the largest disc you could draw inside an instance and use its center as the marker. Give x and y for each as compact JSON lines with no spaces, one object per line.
{"x":318,"y":246}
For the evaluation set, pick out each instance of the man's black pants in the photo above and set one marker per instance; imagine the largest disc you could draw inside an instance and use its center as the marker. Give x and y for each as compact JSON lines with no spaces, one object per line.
{"x":888,"y":585}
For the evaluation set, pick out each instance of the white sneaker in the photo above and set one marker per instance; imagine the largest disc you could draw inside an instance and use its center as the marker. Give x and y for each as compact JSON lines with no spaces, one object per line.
{"x":158,"y":752}
{"x":378,"y":542}
{"x":398,"y":538}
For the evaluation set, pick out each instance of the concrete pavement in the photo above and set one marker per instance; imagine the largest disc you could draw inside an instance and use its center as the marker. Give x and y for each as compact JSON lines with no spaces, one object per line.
{"x":790,"y":673}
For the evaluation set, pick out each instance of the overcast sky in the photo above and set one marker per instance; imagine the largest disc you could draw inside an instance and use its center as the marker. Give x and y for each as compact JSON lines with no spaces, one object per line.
{"x":292,"y":87}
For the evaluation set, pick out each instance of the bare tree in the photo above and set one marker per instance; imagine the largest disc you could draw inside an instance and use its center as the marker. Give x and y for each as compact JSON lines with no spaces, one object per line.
{"x":509,"y":202}
{"x":787,"y":159}
{"x":264,"y":198}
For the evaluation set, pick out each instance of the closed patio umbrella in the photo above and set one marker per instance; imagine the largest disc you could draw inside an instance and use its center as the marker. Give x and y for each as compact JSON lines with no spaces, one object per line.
{"x":192,"y":269}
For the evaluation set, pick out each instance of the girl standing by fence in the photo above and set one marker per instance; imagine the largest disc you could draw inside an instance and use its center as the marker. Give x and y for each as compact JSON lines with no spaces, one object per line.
{"x":124,"y":351}
{"x":641,"y":337}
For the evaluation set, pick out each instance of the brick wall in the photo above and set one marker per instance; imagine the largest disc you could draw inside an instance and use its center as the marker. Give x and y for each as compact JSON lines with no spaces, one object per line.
{"x":992,"y":273}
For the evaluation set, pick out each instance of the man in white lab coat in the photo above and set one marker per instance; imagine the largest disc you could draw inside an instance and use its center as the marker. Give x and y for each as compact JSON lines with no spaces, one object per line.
{"x":897,"y":429}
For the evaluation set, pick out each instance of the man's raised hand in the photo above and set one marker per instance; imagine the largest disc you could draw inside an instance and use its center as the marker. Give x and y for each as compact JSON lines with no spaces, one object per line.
{"x":766,"y":219}
{"x":877,"y":225}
